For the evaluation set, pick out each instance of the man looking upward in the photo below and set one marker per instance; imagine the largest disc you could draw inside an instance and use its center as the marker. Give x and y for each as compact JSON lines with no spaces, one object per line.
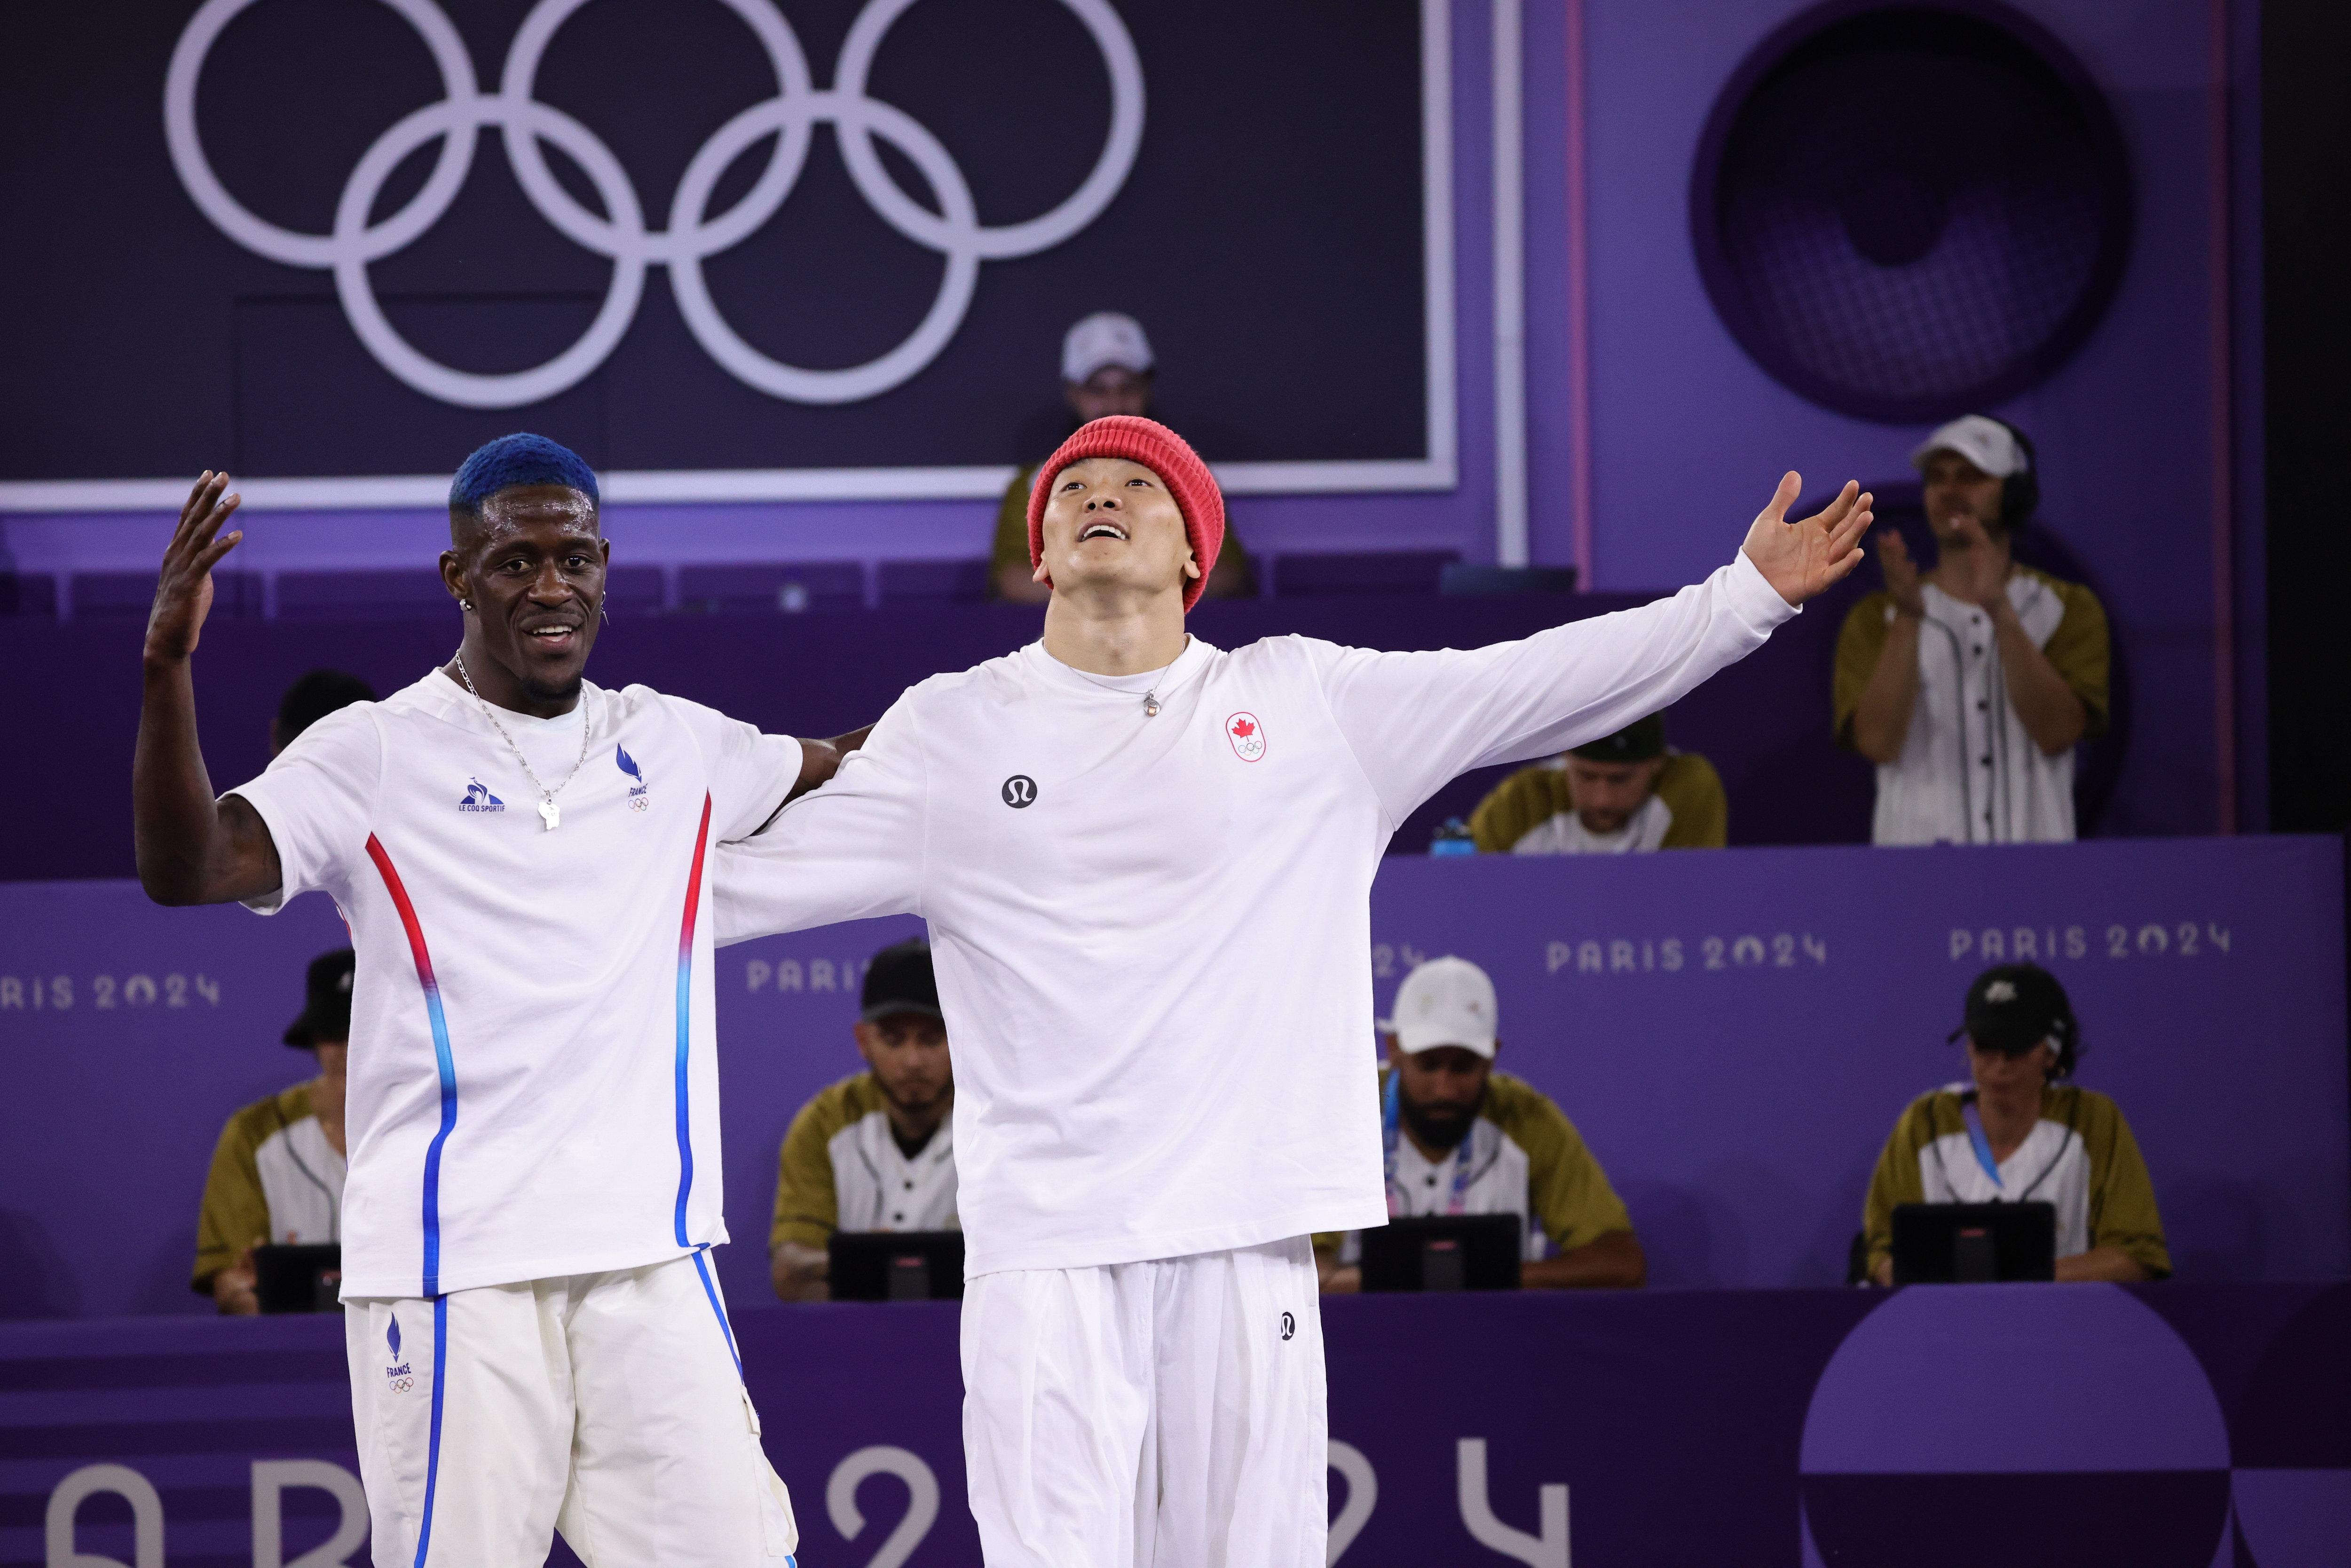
{"x":1147,"y":864}
{"x":535,"y":1338}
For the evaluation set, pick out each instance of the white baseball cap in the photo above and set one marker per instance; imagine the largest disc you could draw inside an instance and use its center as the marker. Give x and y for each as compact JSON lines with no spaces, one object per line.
{"x":1986,"y":443}
{"x":1446,"y":1001}
{"x":1104,"y":337}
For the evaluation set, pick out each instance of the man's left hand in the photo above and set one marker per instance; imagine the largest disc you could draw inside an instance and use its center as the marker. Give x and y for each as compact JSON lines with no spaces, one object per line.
{"x":1804,"y":559}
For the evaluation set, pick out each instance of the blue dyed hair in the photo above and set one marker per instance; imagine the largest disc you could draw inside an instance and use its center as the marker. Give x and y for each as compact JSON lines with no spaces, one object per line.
{"x":521,"y":458}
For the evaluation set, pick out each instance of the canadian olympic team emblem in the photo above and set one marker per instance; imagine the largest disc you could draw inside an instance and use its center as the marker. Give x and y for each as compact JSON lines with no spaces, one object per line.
{"x":1246,"y":734}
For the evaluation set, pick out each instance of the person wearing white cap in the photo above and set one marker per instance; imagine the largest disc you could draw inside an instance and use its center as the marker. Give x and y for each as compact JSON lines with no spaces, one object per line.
{"x":1462,"y":1138}
{"x":1970,"y":685}
{"x":1106,"y":365}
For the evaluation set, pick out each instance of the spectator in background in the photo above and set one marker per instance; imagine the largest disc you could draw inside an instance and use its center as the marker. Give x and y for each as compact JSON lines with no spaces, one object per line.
{"x":1624,"y":793}
{"x":1105,"y":369}
{"x":312,"y":698}
{"x":876,"y":1152}
{"x":2019,"y":1134}
{"x":277,"y":1171}
{"x":1970,"y":686}
{"x":1462,"y":1138}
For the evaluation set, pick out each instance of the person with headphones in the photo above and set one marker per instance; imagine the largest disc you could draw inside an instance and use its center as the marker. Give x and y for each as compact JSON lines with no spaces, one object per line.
{"x":2019,"y":1132}
{"x":1968,"y":685}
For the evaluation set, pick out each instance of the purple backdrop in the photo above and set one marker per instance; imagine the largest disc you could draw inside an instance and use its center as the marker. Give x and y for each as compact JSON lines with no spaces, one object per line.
{"x":2166,"y":1427}
{"x":1733,"y":1032}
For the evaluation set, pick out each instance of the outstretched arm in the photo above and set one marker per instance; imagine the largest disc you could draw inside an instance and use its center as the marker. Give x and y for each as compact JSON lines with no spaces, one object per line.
{"x":1416,"y":721}
{"x":190,"y":848}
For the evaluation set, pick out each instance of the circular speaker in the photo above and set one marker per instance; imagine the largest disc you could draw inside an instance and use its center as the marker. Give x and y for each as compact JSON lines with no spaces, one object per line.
{"x":1906,"y":211}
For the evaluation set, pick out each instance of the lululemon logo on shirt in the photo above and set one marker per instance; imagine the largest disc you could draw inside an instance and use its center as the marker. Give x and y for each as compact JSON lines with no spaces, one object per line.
{"x":1288,"y":1325}
{"x":1246,"y":734}
{"x":1019,"y":792}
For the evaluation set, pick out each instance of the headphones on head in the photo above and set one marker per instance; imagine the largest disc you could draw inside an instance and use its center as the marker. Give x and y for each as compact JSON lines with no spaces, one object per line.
{"x":2067,"y":1032}
{"x":2020,"y":492}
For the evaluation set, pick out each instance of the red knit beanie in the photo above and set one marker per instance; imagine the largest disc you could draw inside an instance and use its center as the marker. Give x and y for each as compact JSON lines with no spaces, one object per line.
{"x":1165,"y":454}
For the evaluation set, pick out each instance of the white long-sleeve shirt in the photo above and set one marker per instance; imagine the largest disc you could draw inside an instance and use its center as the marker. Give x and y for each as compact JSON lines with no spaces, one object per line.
{"x":1153,"y":934}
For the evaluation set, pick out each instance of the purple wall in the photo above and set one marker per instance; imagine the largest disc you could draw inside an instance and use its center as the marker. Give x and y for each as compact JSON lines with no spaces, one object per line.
{"x":2165,"y":1427}
{"x":1737,"y":1108}
{"x":1688,"y":433}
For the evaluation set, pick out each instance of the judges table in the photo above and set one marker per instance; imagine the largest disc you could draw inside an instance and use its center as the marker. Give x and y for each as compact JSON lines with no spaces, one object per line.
{"x":2166,"y":1426}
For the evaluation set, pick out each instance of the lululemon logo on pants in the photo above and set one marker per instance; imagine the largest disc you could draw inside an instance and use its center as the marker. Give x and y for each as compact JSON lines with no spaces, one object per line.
{"x":1289,"y":1326}
{"x":1019,"y":791}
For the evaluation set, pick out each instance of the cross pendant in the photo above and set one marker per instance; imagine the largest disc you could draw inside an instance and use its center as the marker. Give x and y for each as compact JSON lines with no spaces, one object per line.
{"x":551,"y":814}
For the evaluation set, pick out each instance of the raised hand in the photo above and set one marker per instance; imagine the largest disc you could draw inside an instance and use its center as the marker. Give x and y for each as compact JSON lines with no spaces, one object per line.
{"x":1901,"y":575}
{"x":1803,"y":559}
{"x":183,"y":591}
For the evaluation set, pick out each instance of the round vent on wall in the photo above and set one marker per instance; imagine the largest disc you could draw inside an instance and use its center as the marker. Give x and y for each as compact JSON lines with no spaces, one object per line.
{"x":1906,"y":211}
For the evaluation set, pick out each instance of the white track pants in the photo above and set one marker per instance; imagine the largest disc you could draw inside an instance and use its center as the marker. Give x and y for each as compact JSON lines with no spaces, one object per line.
{"x":608,"y":1406}
{"x":1160,"y":1415}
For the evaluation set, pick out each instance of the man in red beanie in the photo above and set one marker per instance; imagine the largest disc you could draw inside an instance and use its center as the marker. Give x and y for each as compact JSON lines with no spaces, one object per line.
{"x":1147,"y":864}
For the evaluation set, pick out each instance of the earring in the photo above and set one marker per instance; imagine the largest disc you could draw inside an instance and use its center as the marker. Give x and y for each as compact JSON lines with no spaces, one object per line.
{"x":605,"y":613}
{"x":467,"y":605}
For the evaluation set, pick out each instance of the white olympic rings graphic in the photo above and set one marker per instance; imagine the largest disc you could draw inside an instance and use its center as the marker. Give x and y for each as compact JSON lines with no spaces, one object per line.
{"x":694,"y":235}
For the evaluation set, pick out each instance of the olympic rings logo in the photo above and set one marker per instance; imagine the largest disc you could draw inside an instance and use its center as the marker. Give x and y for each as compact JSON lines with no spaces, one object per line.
{"x":694,"y":232}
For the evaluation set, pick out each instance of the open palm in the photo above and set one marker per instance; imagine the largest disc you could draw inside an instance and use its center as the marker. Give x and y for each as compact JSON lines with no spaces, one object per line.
{"x":1803,"y":559}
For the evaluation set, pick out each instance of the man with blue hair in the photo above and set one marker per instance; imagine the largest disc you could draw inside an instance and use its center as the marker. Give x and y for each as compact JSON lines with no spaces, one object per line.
{"x":535,"y":1336}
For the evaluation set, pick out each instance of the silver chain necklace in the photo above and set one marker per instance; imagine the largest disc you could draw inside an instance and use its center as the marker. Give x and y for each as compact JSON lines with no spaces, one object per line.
{"x":549,"y":812}
{"x":1150,"y":696}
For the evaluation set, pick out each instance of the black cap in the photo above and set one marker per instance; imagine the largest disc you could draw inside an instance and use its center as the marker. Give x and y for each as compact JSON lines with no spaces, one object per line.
{"x":1637,"y":742}
{"x":2015,"y":1007}
{"x":327,"y":1001}
{"x":899,"y":980}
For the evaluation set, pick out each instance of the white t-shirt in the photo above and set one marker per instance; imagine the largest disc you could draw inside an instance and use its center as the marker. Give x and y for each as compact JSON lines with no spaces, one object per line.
{"x":533,"y":1087}
{"x":876,"y":1187}
{"x":301,"y":1182}
{"x":1153,"y":935}
{"x":1563,"y":833}
{"x":2052,"y":1165}
{"x":1970,"y":772}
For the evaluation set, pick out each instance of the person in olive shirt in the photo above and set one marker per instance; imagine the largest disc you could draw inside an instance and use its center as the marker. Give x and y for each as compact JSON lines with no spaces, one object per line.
{"x":1626,"y":792}
{"x":1970,"y":685}
{"x":2019,"y":1132}
{"x":875,"y":1151}
{"x":1105,"y":369}
{"x":1462,"y":1138}
{"x":277,"y":1171}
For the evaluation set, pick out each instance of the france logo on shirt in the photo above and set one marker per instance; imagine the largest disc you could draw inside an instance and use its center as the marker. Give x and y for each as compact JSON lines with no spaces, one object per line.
{"x":628,"y":765}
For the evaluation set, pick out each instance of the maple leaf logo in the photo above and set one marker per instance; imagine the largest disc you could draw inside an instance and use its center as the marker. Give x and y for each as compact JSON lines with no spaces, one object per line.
{"x":1244,"y":728}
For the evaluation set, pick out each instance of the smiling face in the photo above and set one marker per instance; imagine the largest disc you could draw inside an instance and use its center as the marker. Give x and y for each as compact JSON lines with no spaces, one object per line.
{"x":1112,"y":525}
{"x":532,"y":563}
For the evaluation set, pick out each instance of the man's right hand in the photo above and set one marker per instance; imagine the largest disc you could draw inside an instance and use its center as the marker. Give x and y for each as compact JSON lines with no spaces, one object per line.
{"x":1901,"y":576}
{"x":183,"y":591}
{"x":190,"y":848}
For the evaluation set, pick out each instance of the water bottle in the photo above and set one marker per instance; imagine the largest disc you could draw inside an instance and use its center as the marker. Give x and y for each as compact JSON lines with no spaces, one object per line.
{"x":1453,"y":838}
